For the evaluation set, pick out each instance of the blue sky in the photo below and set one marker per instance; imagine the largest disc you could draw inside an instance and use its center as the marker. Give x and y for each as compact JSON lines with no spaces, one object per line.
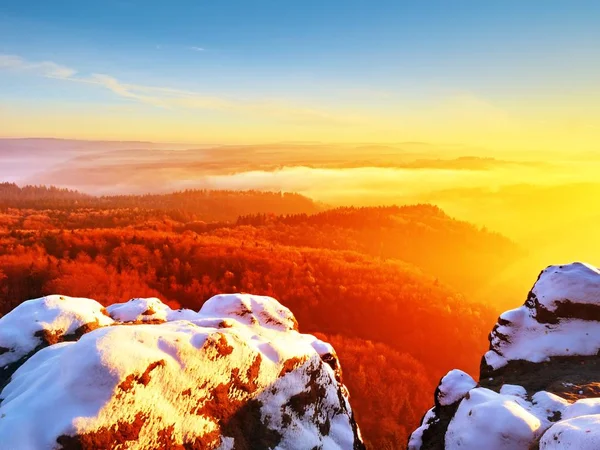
{"x":378,"y":59}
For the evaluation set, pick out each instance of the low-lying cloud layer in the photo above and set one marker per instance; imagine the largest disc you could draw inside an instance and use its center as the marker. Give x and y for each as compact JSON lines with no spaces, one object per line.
{"x":531,"y":200}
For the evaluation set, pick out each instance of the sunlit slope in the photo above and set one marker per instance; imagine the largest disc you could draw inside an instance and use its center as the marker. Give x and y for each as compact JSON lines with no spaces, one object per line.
{"x":556,"y":224}
{"x":458,"y":253}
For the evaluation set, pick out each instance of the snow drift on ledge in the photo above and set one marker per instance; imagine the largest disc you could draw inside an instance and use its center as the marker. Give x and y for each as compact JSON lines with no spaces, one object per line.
{"x":539,"y":385}
{"x":138,"y":375}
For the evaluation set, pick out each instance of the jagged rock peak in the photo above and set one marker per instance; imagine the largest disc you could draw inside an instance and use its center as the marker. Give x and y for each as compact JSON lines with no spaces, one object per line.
{"x":139,"y":375}
{"x":539,"y":384}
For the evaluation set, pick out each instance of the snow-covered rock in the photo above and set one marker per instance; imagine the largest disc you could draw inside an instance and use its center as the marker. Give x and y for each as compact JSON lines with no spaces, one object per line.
{"x":539,"y":385}
{"x":454,"y":386}
{"x":38,"y":323}
{"x":236,"y":375}
{"x":580,"y":433}
{"x":561,"y":317}
{"x":485,"y":419}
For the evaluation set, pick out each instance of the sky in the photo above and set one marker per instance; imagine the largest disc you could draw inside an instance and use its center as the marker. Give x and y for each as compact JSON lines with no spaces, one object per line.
{"x":488,"y":74}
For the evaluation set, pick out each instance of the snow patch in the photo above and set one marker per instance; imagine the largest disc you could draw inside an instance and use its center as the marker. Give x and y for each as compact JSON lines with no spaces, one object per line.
{"x":486,"y":419}
{"x":416,"y":438}
{"x":536,"y":331}
{"x":454,"y":386}
{"x":576,"y":283}
{"x":583,"y":407}
{"x":52,"y":317}
{"x":580,"y":433}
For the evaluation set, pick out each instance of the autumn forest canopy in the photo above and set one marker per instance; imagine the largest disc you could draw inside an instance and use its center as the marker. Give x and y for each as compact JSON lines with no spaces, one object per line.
{"x":400,"y":291}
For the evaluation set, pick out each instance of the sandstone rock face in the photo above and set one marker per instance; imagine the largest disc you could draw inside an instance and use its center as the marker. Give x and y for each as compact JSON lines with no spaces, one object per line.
{"x":138,"y":375}
{"x":539,"y":384}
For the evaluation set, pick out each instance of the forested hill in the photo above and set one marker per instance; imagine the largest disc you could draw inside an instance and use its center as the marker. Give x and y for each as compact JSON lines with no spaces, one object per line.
{"x":456,"y":252}
{"x":206,"y":205}
{"x":13,"y":195}
{"x":379,"y":283}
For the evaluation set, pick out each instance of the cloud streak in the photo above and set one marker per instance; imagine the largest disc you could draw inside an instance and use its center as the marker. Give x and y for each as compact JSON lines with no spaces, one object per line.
{"x":47,"y":69}
{"x":172,"y":98}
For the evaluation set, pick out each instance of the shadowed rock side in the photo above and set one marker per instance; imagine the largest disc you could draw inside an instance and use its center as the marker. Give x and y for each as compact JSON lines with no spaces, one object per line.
{"x":539,"y":384}
{"x":236,"y":375}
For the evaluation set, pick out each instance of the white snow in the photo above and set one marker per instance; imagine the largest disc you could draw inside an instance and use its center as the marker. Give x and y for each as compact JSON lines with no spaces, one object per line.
{"x":583,"y":407}
{"x":507,"y":420}
{"x":491,"y":421}
{"x":78,"y":387}
{"x":580,"y":433}
{"x":577,"y":282}
{"x":523,"y":337}
{"x":454,"y":386}
{"x":323,"y":348}
{"x":250,"y":310}
{"x":415,"y":441}
{"x":537,"y":342}
{"x":54,"y":314}
{"x":513,"y":389}
{"x":546,"y":404}
{"x":139,"y":310}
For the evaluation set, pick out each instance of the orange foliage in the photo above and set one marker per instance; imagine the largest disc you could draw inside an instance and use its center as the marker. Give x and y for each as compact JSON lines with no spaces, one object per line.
{"x":360,"y":276}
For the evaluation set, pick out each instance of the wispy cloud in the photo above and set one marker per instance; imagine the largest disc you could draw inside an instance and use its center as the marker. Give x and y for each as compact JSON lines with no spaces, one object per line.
{"x":197,"y":49}
{"x":45,"y":68}
{"x":172,"y":98}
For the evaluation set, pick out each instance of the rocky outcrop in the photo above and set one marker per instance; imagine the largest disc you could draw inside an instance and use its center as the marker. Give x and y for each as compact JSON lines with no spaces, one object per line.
{"x":539,"y":384}
{"x":236,"y":375}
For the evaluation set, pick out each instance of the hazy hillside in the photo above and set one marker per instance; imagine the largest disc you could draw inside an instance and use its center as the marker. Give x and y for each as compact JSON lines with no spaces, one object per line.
{"x":456,"y":252}
{"x":24,"y":159}
{"x":189,"y":205}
